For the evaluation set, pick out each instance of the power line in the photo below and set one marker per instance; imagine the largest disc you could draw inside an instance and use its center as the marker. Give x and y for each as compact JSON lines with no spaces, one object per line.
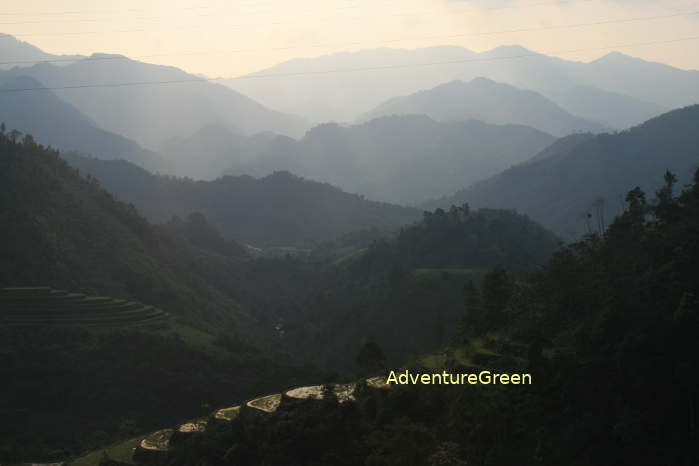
{"x":450,"y":36}
{"x":111,"y":12}
{"x":157,"y":17}
{"x":419,"y":13}
{"x":345,"y":70}
{"x":355,"y":5}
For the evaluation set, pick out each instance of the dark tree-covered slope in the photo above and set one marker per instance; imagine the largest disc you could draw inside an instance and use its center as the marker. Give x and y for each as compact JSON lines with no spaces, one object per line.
{"x":62,"y":230}
{"x":405,"y":292}
{"x":68,"y":384}
{"x":278,"y":210}
{"x":561,"y":188}
{"x":606,"y":331}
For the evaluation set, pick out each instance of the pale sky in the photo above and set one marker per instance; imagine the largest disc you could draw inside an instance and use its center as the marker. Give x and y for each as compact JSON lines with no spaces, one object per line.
{"x":221,"y":38}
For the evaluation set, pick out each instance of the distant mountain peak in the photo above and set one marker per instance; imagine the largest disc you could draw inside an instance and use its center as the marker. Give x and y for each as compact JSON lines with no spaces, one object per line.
{"x":102,"y":56}
{"x":483,"y":81}
{"x":489,"y":101}
{"x":618,"y":57}
{"x":506,"y":50}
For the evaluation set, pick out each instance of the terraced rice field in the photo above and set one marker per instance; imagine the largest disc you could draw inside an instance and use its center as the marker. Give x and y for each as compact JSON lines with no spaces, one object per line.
{"x":45,"y":306}
{"x":304,"y":393}
{"x":157,"y":441}
{"x":195,"y":426}
{"x":268,"y":404}
{"x":227,"y":414}
{"x":343,"y":392}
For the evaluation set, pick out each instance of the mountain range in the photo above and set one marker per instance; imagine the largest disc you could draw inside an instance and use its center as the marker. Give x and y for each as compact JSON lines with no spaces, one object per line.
{"x":15,"y":52}
{"x":115,"y":93}
{"x":278,"y":210}
{"x":342,"y":86}
{"x":400,"y":159}
{"x":586,"y":174}
{"x":53,"y":122}
{"x":209,"y":152}
{"x":485,"y":100}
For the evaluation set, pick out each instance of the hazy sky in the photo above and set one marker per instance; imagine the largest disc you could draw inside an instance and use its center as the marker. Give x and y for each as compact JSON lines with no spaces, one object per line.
{"x":230,"y":38}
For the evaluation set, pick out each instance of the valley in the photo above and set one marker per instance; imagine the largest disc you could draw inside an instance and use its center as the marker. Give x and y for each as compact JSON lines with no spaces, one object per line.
{"x":340,"y":234}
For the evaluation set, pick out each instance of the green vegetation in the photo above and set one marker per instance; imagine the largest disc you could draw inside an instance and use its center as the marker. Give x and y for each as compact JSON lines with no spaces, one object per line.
{"x":594,"y":322}
{"x":606,"y":329}
{"x":136,"y":326}
{"x":159,"y":441}
{"x":404,"y":292}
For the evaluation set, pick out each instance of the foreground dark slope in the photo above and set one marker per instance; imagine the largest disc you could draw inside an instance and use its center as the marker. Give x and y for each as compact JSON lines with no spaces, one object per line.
{"x":70,"y":384}
{"x":65,"y":231}
{"x":405,"y":292}
{"x":607,"y":331}
{"x":58,"y":124}
{"x":560,"y":188}
{"x":278,"y":210}
{"x":400,"y":159}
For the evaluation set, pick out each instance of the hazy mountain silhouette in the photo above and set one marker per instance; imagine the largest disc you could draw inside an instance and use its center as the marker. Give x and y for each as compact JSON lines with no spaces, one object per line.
{"x":400,"y":159}
{"x":610,"y":108}
{"x":560,"y":188}
{"x":210,"y":151}
{"x":342,"y":96}
{"x":648,"y":81}
{"x":151,"y":114}
{"x":488,"y":101}
{"x":18,"y":53}
{"x":53,"y":122}
{"x":278,"y":210}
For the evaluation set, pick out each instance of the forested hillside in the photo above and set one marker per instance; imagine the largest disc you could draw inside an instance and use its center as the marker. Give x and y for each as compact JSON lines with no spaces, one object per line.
{"x":65,"y":231}
{"x":405,"y":292}
{"x":105,"y":380}
{"x":580,"y":186}
{"x":278,"y":210}
{"x":606,"y":329}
